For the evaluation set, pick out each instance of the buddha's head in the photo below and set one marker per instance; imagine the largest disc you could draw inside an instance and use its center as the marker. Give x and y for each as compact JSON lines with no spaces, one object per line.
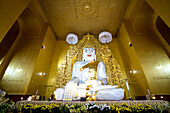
{"x":89,"y":54}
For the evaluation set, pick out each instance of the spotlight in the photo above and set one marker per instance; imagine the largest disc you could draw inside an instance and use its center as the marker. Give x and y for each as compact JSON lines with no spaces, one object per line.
{"x":19,"y":69}
{"x":43,"y":47}
{"x":134,"y":71}
{"x":130,"y":44}
{"x":21,"y":98}
{"x":159,"y":67}
{"x":39,"y":73}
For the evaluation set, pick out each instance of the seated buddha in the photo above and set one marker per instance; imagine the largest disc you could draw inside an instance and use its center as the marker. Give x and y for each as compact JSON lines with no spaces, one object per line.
{"x":89,"y":69}
{"x":89,"y":72}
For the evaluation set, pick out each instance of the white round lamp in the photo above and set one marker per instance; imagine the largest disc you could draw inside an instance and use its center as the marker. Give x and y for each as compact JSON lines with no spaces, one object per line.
{"x":71,"y":38}
{"x":105,"y":37}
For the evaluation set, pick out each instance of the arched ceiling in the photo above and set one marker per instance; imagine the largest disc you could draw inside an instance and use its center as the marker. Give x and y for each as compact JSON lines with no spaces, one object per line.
{"x":83,"y":16}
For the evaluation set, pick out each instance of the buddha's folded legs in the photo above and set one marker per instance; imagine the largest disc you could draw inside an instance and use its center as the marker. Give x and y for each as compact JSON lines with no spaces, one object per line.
{"x":110,"y":94}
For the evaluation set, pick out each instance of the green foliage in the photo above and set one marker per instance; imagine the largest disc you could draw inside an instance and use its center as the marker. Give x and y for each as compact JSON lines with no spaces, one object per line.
{"x":65,"y":109}
{"x":14,"y":108}
{"x":4,"y":107}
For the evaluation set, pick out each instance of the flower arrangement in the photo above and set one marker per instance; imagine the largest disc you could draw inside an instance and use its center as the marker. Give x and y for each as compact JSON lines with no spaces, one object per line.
{"x":26,"y":108}
{"x":124,"y":108}
{"x":77,"y":108}
{"x":91,"y":107}
{"x":36,"y":109}
{"x":55,"y":108}
{"x":8,"y":107}
{"x":88,"y":108}
{"x":161,"y":108}
{"x":65,"y":108}
{"x":52,"y":108}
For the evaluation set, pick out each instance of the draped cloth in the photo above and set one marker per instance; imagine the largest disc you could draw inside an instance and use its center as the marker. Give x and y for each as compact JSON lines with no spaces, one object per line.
{"x":82,"y":70}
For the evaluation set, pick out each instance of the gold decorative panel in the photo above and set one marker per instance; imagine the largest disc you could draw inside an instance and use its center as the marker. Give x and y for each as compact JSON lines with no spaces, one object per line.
{"x":103,"y":53}
{"x":87,"y":9}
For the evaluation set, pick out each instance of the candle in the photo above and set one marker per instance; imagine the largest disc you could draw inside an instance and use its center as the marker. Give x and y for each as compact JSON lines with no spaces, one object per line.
{"x":127,"y":85}
{"x":148,"y":91}
{"x":37,"y":92}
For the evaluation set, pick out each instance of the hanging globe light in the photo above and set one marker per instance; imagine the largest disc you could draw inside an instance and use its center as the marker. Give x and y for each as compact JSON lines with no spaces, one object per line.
{"x":71,"y":38}
{"x":105,"y":37}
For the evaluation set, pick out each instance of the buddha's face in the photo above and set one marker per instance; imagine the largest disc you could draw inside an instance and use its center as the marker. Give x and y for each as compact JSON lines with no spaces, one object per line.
{"x":89,"y":54}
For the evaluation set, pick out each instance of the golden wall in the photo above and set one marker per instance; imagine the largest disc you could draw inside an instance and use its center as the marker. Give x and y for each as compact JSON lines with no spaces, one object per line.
{"x":19,"y":62}
{"x":18,"y":73}
{"x":151,"y":54}
{"x":10,"y":10}
{"x":146,"y":54}
{"x":137,"y":81}
{"x":161,"y":8}
{"x":42,"y":67}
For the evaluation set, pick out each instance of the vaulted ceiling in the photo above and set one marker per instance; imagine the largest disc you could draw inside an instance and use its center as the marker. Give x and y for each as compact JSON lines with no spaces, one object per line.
{"x":84,"y":16}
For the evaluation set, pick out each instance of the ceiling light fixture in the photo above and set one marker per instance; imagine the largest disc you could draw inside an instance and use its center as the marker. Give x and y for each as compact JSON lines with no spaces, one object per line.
{"x":71,"y":38}
{"x":105,"y":37}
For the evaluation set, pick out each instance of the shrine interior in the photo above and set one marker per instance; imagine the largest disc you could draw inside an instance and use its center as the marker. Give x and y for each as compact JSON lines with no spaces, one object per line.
{"x":35,"y":58}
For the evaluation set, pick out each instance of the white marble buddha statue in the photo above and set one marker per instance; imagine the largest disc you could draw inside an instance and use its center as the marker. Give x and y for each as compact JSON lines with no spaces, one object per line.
{"x":89,"y":69}
{"x":89,"y":72}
